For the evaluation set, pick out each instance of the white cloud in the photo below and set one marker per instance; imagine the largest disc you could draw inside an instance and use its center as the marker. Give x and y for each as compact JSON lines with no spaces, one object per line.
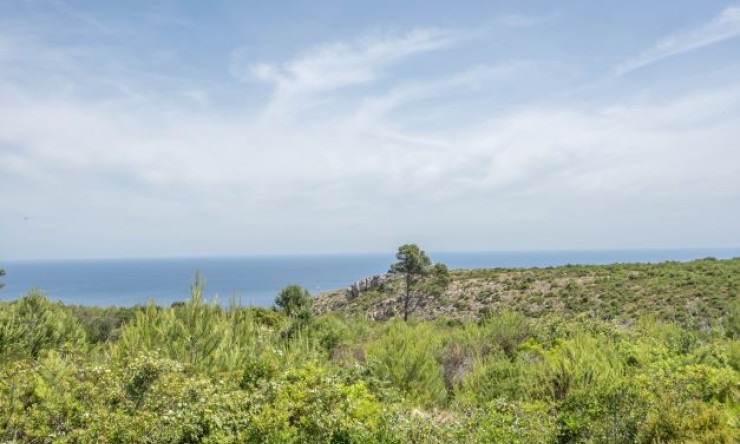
{"x":644,"y":152}
{"x":520,"y":151}
{"x":467,"y":81}
{"x":721,"y":28}
{"x":333,"y":66}
{"x":108,"y":174}
{"x":138,"y":171}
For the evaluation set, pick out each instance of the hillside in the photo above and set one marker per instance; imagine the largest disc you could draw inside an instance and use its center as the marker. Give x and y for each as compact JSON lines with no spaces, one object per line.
{"x":695,"y":293}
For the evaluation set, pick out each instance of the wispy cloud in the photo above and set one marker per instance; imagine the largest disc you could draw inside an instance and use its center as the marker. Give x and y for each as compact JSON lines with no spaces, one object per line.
{"x":334,"y":66}
{"x":723,"y":27}
{"x":374,"y":109}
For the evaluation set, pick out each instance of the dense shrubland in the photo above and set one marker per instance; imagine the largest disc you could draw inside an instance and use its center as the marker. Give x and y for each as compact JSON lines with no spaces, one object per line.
{"x":199,"y":372}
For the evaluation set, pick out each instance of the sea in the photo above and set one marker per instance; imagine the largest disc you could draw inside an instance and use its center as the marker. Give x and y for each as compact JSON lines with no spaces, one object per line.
{"x":256,"y":280}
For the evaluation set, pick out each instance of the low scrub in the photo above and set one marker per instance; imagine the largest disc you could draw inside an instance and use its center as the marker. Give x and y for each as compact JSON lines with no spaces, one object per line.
{"x":197,"y":372}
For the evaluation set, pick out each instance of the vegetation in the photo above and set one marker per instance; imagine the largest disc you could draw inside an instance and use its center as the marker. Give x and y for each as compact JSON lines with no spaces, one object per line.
{"x":199,"y":372}
{"x":695,"y":294}
{"x":415,"y":265}
{"x":412,"y":263}
{"x":294,"y":300}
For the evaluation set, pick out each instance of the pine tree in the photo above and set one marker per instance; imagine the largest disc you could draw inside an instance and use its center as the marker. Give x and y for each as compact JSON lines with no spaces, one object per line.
{"x":413,"y":263}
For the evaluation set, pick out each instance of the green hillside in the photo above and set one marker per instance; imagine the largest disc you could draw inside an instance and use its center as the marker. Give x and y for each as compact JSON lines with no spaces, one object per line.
{"x":695,"y":294}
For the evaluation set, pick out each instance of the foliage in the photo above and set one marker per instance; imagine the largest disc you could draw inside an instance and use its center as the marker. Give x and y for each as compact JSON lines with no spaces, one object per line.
{"x":32,"y":324}
{"x":413,"y":263}
{"x":199,"y":372}
{"x":102,"y":324}
{"x":441,"y":275}
{"x":294,"y":300}
{"x":419,"y":274}
{"x":412,"y":260}
{"x":405,"y":356}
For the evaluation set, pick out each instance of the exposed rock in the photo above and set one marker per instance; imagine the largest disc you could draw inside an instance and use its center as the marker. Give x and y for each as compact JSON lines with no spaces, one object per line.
{"x":368,"y":284}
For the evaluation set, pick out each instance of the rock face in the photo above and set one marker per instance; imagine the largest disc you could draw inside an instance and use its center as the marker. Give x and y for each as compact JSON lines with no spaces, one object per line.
{"x":364,"y":285}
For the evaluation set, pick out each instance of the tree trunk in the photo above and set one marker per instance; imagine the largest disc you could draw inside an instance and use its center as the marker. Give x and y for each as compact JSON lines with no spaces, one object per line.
{"x":406,"y":299}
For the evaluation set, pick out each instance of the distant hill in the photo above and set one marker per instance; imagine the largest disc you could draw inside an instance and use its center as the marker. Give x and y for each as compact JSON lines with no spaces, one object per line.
{"x":695,"y":293}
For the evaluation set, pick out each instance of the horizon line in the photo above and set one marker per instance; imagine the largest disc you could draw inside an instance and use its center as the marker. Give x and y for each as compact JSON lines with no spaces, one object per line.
{"x":264,"y":255}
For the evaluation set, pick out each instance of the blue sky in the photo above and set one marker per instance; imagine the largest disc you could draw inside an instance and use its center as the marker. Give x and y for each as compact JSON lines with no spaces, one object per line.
{"x":176,"y":128}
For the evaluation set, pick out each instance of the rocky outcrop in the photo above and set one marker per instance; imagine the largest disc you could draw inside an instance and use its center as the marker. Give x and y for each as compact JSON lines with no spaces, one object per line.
{"x":368,"y":284}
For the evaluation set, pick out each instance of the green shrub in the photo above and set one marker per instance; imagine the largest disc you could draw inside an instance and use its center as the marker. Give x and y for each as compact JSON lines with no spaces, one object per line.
{"x":102,"y":324}
{"x":33,"y":324}
{"x":405,"y":356}
{"x":675,"y":420}
{"x":514,"y":423}
{"x":491,"y":378}
{"x":294,"y":300}
{"x":505,"y":331}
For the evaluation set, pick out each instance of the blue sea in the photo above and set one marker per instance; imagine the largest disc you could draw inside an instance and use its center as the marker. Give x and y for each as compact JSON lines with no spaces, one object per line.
{"x":256,"y":280}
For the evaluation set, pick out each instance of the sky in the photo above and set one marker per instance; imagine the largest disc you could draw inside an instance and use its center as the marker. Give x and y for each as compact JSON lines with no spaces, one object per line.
{"x":152,"y":128}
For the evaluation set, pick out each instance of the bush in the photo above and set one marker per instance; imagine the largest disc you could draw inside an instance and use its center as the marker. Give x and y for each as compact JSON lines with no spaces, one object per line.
{"x":504,"y":330}
{"x":33,"y":324}
{"x":293,"y":300}
{"x":102,"y":324}
{"x":405,"y":356}
{"x":194,"y":333}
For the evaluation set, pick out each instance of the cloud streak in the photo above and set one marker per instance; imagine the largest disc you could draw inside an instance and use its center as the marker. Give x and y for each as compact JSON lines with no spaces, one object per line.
{"x":723,"y":27}
{"x":334,"y":66}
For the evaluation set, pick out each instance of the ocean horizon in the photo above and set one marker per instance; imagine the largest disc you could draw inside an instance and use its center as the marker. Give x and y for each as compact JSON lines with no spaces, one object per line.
{"x":256,"y":280}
